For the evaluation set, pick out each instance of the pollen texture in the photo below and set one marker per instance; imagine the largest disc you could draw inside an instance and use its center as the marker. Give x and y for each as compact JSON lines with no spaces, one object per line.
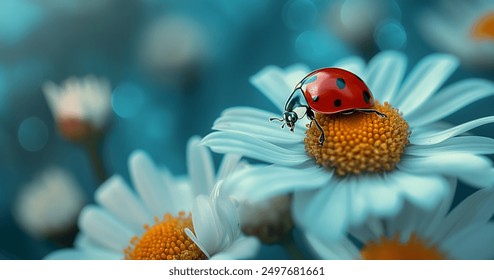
{"x":165,"y":240}
{"x":359,"y":142}
{"x":394,"y":249}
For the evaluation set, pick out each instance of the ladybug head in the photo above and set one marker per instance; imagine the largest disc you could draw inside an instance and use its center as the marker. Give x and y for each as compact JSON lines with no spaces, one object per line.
{"x":289,"y":119}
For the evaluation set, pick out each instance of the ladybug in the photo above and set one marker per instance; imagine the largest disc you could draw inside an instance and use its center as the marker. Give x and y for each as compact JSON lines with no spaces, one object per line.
{"x":327,"y":91}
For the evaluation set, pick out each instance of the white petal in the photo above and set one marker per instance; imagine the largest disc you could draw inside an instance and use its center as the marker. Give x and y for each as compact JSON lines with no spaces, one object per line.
{"x":78,"y":254}
{"x":477,"y":208}
{"x":121,"y":201}
{"x":424,"y":191}
{"x":243,"y":248}
{"x":437,"y":137}
{"x":385,"y":73}
{"x":263,"y":182}
{"x":474,"y":170}
{"x":473,"y":243}
{"x":434,"y":219}
{"x":200,"y":167}
{"x":382,"y":198}
{"x":354,"y":64}
{"x":427,"y":76}
{"x":459,"y":144}
{"x":235,"y":143}
{"x":450,"y":100}
{"x":104,"y":228}
{"x":229,"y":163}
{"x":206,"y":226}
{"x":272,"y":83}
{"x":260,"y":128}
{"x":323,"y":213}
{"x":341,"y":250}
{"x":150,"y":186}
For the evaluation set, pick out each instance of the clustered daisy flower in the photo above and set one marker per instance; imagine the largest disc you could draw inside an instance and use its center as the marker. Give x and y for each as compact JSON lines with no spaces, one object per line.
{"x":81,"y":106}
{"x":463,"y":233}
{"x":463,"y":28}
{"x":369,"y":166}
{"x":164,"y":217}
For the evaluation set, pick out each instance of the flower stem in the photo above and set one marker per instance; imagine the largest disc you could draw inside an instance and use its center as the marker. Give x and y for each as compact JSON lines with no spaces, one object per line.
{"x":93,"y":149}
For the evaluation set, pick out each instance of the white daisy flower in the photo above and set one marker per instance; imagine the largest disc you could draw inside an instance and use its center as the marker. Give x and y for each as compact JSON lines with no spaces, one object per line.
{"x":164,"y":217}
{"x":369,"y":165}
{"x":464,"y":28}
{"x":80,"y":106}
{"x":48,"y":206}
{"x":463,"y":233}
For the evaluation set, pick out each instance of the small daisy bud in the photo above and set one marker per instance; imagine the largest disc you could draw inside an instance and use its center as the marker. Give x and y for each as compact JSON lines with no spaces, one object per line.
{"x":81,"y":107}
{"x":270,"y":220}
{"x":49,"y":205}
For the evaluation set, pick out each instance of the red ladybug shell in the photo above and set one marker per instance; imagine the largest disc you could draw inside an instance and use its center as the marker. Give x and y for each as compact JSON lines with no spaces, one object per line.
{"x":334,"y":90}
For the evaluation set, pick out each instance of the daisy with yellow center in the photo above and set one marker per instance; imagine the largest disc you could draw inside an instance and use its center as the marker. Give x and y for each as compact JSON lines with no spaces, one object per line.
{"x":369,"y":166}
{"x":164,"y":217}
{"x":462,"y":233}
{"x":463,"y":28}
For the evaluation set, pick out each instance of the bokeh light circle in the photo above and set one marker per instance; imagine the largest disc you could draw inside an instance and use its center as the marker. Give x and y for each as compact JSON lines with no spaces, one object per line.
{"x":390,"y":34}
{"x":32,"y":134}
{"x":127,"y":100}
{"x":300,"y":15}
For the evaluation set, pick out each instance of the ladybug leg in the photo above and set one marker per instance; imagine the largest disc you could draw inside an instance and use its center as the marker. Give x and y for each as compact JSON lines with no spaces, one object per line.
{"x":372,"y":111}
{"x":311,"y":116}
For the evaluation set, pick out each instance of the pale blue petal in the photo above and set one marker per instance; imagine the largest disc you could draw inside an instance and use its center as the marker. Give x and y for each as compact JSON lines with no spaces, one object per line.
{"x":437,"y":137}
{"x":229,"y":163}
{"x":251,"y":122}
{"x":104,"y":228}
{"x":434,"y":219}
{"x":236,"y":143}
{"x":206,"y":227}
{"x":272,"y":82}
{"x":385,"y":73}
{"x":382,"y":198}
{"x":354,"y":64}
{"x":423,"y":191}
{"x":78,"y":254}
{"x":450,"y":100}
{"x":343,"y":249}
{"x":244,"y":248}
{"x":476,"y":208}
{"x":423,"y":81}
{"x":150,"y":185}
{"x":474,"y":170}
{"x":323,"y":213}
{"x":264,"y":182}
{"x":296,"y":73}
{"x":116,"y":196}
{"x":200,"y":167}
{"x":459,"y":144}
{"x":473,"y":243}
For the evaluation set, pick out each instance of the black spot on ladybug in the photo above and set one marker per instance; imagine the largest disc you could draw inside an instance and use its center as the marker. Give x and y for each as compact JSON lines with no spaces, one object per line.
{"x":340,"y":83}
{"x":337,"y":102}
{"x":367,"y":96}
{"x":315,"y":98}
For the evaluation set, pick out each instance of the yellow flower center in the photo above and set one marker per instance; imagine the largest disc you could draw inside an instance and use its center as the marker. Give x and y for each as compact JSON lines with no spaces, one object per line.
{"x":393,"y":249}
{"x":359,"y":142}
{"x":165,"y":240}
{"x":483,"y":29}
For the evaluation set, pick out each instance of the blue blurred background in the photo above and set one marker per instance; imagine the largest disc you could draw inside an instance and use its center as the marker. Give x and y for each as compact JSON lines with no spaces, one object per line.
{"x":174,"y":65}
